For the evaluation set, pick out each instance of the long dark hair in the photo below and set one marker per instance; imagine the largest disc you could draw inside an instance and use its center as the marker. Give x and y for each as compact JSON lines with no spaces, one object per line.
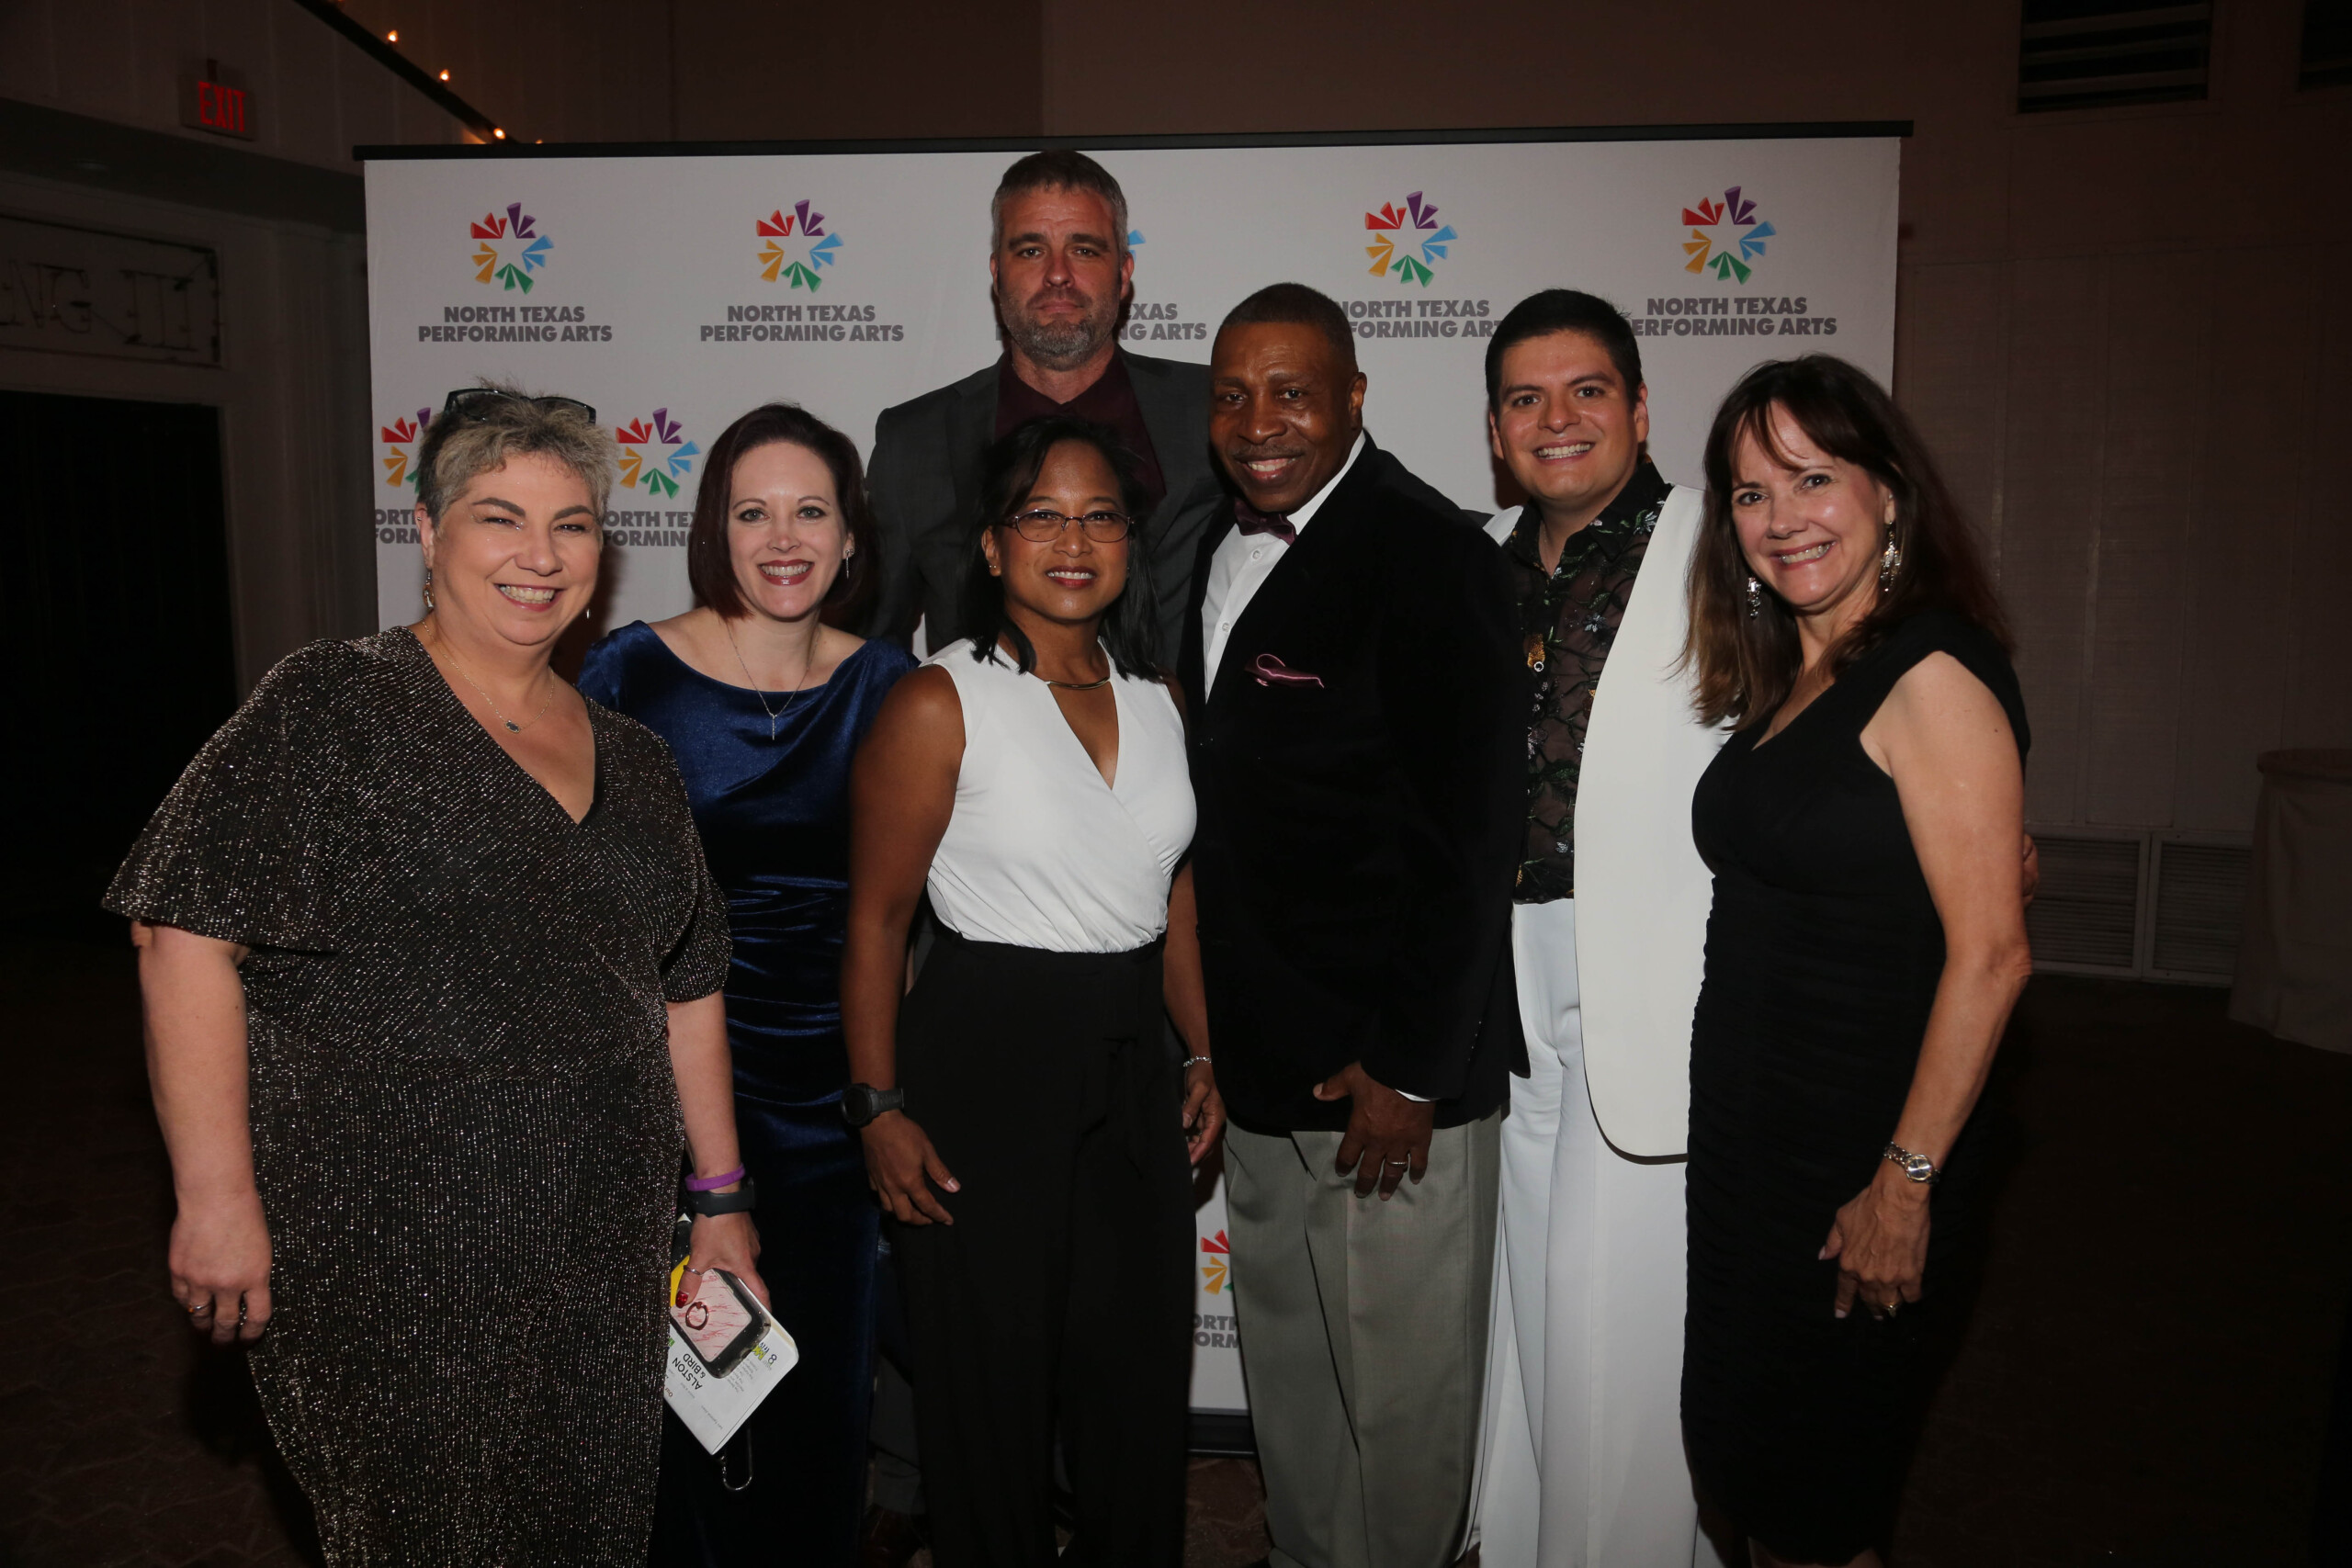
{"x":1129,"y":632}
{"x":1745,"y":664}
{"x":710,"y":566}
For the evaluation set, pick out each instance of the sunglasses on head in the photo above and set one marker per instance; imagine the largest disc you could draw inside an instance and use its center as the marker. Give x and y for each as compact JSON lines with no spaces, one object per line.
{"x":467,"y":402}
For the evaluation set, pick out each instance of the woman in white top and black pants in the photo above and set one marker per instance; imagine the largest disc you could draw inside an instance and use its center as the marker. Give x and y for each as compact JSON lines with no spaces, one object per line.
{"x":1027,"y":1125}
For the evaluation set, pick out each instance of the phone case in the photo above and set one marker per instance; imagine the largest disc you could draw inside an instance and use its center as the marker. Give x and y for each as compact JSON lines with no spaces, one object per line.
{"x":721,"y":1321}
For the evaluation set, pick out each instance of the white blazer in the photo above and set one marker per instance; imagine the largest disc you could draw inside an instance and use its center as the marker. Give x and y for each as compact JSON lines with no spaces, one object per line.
{"x":1643,"y":892}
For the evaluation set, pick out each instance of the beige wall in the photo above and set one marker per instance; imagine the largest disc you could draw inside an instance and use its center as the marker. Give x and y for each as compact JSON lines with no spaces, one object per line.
{"x":2120,"y":328}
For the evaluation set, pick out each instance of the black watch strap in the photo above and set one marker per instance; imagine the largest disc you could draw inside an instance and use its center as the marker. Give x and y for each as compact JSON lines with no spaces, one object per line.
{"x":703,"y":1205}
{"x":860,"y":1103}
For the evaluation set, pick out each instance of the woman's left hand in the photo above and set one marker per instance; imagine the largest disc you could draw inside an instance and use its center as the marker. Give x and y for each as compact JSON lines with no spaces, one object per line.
{"x":1204,"y":1111}
{"x":729,"y":1242}
{"x":1880,"y":1243}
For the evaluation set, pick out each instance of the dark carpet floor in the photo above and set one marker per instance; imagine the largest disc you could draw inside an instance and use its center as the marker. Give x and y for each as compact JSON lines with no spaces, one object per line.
{"x":2144,"y":1381}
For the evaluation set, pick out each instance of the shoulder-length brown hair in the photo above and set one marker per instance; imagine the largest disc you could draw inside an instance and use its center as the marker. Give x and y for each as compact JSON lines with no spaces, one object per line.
{"x":1745,"y":664}
{"x":710,"y":566}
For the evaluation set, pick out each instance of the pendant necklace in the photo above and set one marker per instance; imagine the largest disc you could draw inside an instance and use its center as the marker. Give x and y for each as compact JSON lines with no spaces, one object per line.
{"x":512,"y":728}
{"x":775,"y":714}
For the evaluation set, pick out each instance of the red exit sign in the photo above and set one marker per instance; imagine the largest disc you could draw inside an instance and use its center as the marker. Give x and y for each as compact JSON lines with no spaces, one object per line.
{"x":214,"y":98}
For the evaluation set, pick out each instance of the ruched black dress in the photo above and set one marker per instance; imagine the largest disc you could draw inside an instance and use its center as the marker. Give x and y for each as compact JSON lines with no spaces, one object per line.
{"x":1824,"y":952}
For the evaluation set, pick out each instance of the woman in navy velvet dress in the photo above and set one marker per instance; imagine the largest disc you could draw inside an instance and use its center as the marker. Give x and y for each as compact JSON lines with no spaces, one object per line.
{"x":765,"y":704}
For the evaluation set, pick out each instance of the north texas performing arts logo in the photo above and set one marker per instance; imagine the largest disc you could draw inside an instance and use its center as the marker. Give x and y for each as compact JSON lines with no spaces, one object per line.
{"x":655,"y":451}
{"x":1216,"y":1273}
{"x":1725,"y":236}
{"x":795,"y":246}
{"x":399,"y":447}
{"x":1410,"y":242}
{"x":509,"y":249}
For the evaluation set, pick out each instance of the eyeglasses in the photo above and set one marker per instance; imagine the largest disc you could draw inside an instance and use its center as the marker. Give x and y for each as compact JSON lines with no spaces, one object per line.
{"x":1045,"y":525}
{"x":465,"y":403}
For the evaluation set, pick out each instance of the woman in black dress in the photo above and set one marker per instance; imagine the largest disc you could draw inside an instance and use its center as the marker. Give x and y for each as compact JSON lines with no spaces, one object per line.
{"x":432,"y":964}
{"x":1866,"y":945}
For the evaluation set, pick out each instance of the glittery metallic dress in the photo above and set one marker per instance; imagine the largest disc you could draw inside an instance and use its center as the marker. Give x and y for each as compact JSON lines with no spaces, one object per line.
{"x":466,"y":1128}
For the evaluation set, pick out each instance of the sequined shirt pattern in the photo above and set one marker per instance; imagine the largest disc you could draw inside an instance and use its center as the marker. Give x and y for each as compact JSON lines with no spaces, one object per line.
{"x":466,"y":1129}
{"x":1569,"y":619}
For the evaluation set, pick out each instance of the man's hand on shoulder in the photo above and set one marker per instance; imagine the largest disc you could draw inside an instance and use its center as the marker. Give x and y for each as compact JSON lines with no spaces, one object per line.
{"x":1388,"y":1134}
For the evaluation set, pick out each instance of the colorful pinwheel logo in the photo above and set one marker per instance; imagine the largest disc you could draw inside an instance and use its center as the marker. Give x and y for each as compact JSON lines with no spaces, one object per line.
{"x":1401,"y":231}
{"x":796,"y":246}
{"x":655,"y":451}
{"x":510,"y":248}
{"x":1216,"y":1273}
{"x":400,"y":438}
{"x":1725,"y":236}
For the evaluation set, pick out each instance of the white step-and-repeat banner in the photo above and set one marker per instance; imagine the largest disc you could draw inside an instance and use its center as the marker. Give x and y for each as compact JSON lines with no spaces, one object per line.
{"x":674,"y":292}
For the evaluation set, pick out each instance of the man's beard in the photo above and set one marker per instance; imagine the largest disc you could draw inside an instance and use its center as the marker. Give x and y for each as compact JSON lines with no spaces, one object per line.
{"x":1064,"y":345}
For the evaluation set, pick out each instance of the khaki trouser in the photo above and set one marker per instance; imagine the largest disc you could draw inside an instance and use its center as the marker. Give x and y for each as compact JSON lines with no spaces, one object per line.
{"x":1363,"y":1344}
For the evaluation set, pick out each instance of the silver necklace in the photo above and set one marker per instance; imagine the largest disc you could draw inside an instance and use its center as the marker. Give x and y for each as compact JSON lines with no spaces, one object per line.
{"x":775,"y":714}
{"x":512,"y":728}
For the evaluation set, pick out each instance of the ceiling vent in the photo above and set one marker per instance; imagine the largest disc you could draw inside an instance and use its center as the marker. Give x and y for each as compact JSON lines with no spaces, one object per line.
{"x":2076,"y":54}
{"x":2327,"y":45}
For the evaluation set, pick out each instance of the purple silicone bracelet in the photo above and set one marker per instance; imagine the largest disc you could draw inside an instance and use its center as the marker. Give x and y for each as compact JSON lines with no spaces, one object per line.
{"x":713,"y":1183}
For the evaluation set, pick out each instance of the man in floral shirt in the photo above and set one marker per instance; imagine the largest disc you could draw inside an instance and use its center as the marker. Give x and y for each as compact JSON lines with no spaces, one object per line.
{"x":1583,"y":1454}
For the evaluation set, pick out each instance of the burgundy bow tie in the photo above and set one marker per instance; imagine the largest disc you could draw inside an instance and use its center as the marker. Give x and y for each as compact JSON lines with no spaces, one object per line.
{"x":1249,"y":520}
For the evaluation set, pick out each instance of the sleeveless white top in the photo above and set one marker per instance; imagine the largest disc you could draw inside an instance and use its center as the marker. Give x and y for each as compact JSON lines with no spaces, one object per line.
{"x":1040,"y":853}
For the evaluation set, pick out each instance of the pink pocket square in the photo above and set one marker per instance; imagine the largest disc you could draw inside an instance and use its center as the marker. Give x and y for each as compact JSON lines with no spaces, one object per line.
{"x":1272,"y":672}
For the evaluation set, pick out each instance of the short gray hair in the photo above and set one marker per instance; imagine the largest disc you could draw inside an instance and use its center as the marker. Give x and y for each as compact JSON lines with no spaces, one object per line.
{"x":1060,"y":170}
{"x":461,"y":448}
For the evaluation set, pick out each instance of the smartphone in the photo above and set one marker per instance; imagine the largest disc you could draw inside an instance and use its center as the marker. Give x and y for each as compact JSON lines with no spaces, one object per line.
{"x":721,"y":1321}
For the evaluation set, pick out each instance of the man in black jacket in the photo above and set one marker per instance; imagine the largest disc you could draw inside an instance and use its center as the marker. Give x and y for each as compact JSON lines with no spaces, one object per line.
{"x":1355,"y":691}
{"x":1061,"y":273}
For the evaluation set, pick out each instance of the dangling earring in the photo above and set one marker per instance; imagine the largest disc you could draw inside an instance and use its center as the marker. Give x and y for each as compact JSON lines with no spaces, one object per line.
{"x":1889,"y":562}
{"x":428,"y":590}
{"x":1755,"y":598}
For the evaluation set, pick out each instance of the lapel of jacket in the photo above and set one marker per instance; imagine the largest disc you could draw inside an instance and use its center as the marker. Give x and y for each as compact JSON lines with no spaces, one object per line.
{"x":971,"y":425}
{"x":1191,"y":661}
{"x":1177,"y":438}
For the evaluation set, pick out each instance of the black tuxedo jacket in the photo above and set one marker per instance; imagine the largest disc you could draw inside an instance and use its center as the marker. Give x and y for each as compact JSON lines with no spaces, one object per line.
{"x":1357,"y":835}
{"x":925,"y":484}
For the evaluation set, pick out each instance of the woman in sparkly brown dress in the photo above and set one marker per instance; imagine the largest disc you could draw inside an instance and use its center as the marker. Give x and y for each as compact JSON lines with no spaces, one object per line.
{"x":432,"y":964}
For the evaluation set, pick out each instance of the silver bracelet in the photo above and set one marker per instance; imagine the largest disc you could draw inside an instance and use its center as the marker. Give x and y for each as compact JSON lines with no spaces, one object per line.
{"x":1190,"y":1060}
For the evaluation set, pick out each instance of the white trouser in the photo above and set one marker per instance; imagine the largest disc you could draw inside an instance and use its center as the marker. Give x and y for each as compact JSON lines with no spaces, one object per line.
{"x":1581,"y":1461}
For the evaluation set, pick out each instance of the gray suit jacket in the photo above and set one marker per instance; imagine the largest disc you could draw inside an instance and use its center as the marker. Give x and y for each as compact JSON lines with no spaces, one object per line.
{"x":925,"y":481}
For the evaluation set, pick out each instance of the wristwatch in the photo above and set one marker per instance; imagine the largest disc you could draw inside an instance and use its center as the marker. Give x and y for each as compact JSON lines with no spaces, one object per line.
{"x":1918,"y":1168}
{"x":704,"y":1205}
{"x":861,"y":1104}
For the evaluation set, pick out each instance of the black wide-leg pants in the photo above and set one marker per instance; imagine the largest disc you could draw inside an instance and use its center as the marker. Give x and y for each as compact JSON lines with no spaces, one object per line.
{"x":1060,"y":1300}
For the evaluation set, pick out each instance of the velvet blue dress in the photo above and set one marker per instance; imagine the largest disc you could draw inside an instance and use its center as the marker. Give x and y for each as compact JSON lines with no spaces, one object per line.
{"x":774,"y":814}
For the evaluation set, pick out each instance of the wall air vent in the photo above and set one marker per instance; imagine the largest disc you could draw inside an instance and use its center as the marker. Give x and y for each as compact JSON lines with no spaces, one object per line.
{"x":2074,"y":54}
{"x":2327,"y":45}
{"x":2139,"y":904}
{"x":2200,"y":904}
{"x":2084,"y":919}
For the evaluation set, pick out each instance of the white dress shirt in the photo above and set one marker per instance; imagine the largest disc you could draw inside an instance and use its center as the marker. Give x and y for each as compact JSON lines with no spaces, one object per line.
{"x":1241,"y":567}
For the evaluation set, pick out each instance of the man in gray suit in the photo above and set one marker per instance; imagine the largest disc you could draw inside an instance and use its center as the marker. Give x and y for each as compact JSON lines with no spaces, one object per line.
{"x":1062,"y":275}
